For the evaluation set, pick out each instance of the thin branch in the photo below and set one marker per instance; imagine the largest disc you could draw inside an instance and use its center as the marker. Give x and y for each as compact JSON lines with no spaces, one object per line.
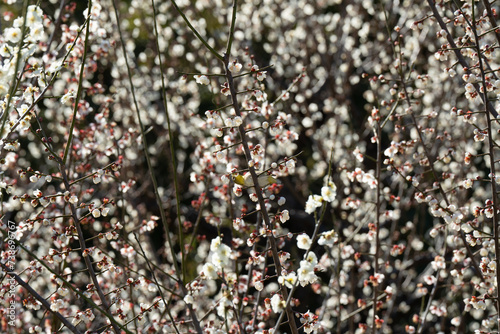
{"x":42,"y":300}
{"x":212,"y":50}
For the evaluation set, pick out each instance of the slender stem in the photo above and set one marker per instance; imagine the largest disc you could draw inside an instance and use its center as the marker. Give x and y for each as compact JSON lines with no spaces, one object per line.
{"x":231,"y":29}
{"x":493,"y":183}
{"x":212,"y":50}
{"x":178,"y":269}
{"x":80,"y":85}
{"x":492,"y":19}
{"x":171,"y":143}
{"x":377,"y":227}
{"x":56,"y":24}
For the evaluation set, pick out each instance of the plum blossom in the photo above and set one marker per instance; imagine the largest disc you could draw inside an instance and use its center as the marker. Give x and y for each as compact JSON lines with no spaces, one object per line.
{"x":13,"y":34}
{"x":202,"y":79}
{"x":313,"y":202}
{"x":234,"y":67}
{"x":288,"y":280}
{"x":221,"y":253}
{"x":328,"y":193}
{"x":277,"y":303}
{"x":303,"y":241}
{"x":327,"y":238}
{"x":306,"y":273}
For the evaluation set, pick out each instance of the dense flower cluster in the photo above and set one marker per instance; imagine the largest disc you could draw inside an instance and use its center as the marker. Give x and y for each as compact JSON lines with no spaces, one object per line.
{"x":265,"y":167}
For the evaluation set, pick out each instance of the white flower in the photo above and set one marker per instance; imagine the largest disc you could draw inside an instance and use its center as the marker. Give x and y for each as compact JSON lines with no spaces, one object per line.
{"x":261,"y":75}
{"x":34,"y":16}
{"x":215,"y":244}
{"x":221,"y":253}
{"x":67,"y":98}
{"x":306,"y":273}
{"x":237,"y":121}
{"x":370,"y":180}
{"x":36,"y":32}
{"x":11,"y":146}
{"x":429,"y":279}
{"x":12,"y":35}
{"x":357,"y":153}
{"x":303,"y":241}
{"x":290,"y":164}
{"x":225,"y":308}
{"x":96,"y":179}
{"x":222,"y":257}
{"x":105,"y":212}
{"x":480,"y":305}
{"x":288,"y":280}
{"x":259,"y":95}
{"x":312,"y":259}
{"x":57,"y":305}
{"x":329,"y":192}
{"x":188,"y":299}
{"x":310,"y":321}
{"x":479,"y":135}
{"x":285,"y":216}
{"x":220,"y":155}
{"x":36,"y":329}
{"x":313,"y":202}
{"x":237,"y":190}
{"x":234,"y":67}
{"x":25,"y":123}
{"x":327,"y":238}
{"x":438,"y":263}
{"x":202,"y":79}
{"x":277,"y":303}
{"x":73,"y":199}
{"x":467,"y":183}
{"x":5,"y":50}
{"x":391,"y":150}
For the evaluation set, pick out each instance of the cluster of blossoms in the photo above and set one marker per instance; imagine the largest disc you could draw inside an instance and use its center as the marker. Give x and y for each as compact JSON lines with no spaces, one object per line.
{"x":328,"y":194}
